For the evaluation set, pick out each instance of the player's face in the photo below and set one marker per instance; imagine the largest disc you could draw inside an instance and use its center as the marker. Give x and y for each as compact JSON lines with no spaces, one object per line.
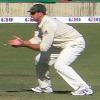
{"x":36,"y":16}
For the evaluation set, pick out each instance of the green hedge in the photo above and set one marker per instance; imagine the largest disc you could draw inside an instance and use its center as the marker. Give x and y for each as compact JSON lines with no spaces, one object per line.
{"x":28,"y":1}
{"x":87,"y":0}
{"x":47,"y":1}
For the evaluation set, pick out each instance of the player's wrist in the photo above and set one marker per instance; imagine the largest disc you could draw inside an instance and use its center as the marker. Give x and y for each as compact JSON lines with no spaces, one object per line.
{"x":25,"y":43}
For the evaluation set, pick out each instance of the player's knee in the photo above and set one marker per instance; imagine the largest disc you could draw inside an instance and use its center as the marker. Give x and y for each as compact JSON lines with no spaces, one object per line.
{"x":57,"y":65}
{"x":37,"y":58}
{"x":60,"y":65}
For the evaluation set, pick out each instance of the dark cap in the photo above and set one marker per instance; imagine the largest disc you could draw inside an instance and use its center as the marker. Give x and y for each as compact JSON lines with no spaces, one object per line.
{"x":38,"y":8}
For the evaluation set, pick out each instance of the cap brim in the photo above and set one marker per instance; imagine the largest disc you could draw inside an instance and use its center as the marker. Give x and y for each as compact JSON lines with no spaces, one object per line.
{"x":31,"y":11}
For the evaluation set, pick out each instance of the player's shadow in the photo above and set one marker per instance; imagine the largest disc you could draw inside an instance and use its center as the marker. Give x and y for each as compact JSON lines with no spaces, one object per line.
{"x":20,"y":90}
{"x":61,"y":92}
{"x":28,"y":90}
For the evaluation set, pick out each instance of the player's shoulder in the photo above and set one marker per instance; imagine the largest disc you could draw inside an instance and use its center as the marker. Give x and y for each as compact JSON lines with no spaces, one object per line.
{"x":50,"y":21}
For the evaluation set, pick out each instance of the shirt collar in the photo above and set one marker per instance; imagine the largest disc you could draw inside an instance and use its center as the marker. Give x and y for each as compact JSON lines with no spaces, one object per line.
{"x":43,"y":20}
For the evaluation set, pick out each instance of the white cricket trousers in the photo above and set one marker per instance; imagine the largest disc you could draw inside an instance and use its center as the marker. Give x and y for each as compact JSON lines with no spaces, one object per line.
{"x":61,"y":61}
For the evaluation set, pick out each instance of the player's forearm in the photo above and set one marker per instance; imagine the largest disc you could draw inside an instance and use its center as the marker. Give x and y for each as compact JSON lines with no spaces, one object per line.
{"x":31,"y":46}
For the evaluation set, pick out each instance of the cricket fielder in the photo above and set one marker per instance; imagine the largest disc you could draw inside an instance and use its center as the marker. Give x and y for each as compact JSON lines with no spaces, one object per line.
{"x":59,"y":45}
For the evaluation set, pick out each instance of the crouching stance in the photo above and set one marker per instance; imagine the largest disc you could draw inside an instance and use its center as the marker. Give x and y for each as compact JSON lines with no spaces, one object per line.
{"x":59,"y":45}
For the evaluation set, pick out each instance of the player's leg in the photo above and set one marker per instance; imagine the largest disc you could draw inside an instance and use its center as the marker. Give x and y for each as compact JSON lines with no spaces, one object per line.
{"x":43,"y":74}
{"x":42,"y":69}
{"x":62,"y":65}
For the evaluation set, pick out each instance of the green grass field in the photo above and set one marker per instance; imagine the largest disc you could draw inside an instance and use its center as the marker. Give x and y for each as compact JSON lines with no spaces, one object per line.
{"x":17,"y":71}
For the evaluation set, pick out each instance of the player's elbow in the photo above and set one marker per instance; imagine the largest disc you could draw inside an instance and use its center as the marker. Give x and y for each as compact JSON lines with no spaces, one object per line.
{"x":44,"y":47}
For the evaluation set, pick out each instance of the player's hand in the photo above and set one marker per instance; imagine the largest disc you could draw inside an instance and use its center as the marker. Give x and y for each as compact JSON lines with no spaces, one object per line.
{"x":16,"y":42}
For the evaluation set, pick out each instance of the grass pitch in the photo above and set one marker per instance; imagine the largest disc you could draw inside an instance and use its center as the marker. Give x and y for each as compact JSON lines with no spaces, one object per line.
{"x":17,"y":71}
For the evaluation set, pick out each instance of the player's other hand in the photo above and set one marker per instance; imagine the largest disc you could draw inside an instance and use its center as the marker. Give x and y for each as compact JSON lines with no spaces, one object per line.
{"x":16,"y":42}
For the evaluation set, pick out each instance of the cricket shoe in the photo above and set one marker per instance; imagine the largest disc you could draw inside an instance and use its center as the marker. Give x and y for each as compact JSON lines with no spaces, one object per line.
{"x":42,"y":90}
{"x":82,"y":91}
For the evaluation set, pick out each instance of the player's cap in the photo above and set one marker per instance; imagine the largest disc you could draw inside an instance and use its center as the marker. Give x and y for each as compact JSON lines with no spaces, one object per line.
{"x":37,"y":8}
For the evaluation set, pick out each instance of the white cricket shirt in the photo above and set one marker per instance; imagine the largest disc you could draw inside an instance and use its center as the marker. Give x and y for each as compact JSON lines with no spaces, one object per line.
{"x":54,"y":33}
